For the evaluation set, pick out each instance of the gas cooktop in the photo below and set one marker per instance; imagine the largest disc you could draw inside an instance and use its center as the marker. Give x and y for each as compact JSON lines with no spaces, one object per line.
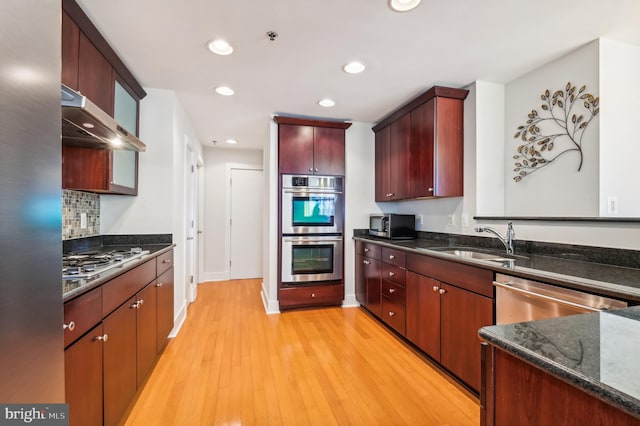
{"x":91,"y":263}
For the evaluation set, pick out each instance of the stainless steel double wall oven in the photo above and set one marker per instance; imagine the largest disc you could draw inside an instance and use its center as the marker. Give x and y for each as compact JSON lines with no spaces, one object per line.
{"x":312,"y":225}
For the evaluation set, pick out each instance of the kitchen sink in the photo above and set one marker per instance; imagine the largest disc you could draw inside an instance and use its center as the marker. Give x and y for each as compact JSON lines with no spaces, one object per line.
{"x":471,"y":254}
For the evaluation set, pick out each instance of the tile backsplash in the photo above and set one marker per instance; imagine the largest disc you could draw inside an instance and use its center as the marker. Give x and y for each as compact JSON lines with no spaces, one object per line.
{"x":74,"y":204}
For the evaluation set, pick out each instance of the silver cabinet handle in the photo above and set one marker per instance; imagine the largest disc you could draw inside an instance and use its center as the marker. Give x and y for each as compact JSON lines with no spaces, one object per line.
{"x":69,"y":326}
{"x":430,"y":189}
{"x":140,"y":302}
{"x":366,"y":262}
{"x":391,"y":313}
{"x":539,"y":296}
{"x":103,"y":338}
{"x":159,"y":285}
{"x":310,"y":169}
{"x":442,"y":291}
{"x":391,"y":257}
{"x":313,"y":295}
{"x":135,"y":305}
{"x":166,"y":261}
{"x":392,"y":290}
{"x":436,"y":288}
{"x":366,"y":250}
{"x":391,"y":273}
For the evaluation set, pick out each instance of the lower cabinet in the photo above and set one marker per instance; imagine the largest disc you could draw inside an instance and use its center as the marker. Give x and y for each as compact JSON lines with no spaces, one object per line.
{"x":307,"y":296}
{"x":83,"y":378}
{"x":105,"y":367}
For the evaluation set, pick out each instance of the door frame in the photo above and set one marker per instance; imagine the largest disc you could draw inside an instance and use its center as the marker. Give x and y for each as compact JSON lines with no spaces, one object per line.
{"x":227,"y":239}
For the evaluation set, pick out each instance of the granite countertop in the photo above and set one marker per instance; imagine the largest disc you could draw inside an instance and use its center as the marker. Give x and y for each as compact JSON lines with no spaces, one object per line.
{"x":595,"y":352}
{"x":72,"y":288}
{"x":604,"y":279}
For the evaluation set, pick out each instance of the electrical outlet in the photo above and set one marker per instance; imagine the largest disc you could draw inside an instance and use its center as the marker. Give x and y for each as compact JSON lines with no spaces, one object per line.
{"x":452,"y":220}
{"x":612,"y":204}
{"x":83,"y":220}
{"x":420,"y":219}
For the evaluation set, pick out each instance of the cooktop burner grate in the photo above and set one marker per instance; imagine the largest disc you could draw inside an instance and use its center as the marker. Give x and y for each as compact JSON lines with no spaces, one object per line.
{"x":90,"y":263}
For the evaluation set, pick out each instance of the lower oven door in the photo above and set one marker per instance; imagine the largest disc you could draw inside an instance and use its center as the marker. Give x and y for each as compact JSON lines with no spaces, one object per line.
{"x":307,"y":259}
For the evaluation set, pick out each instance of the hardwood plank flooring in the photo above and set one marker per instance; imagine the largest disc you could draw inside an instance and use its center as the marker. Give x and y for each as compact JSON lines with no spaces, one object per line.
{"x":232,"y":364}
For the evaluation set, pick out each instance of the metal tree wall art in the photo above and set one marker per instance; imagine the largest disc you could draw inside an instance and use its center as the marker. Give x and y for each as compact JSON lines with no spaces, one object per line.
{"x":556,"y":131}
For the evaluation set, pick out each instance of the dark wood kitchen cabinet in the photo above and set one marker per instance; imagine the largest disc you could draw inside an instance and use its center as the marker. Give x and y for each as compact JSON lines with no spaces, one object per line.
{"x":311,"y":146}
{"x":70,"y":51}
{"x":447,"y":303}
{"x":419,"y":147}
{"x":146,"y":331}
{"x":83,"y":378}
{"x":393,"y":280}
{"x":165,"y":288}
{"x":367,"y":277}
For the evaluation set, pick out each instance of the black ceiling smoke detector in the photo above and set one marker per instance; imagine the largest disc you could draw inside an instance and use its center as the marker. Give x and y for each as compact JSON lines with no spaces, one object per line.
{"x":272,"y":35}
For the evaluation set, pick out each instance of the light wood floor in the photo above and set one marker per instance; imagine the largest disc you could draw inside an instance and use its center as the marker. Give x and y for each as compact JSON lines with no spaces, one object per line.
{"x":232,"y":364}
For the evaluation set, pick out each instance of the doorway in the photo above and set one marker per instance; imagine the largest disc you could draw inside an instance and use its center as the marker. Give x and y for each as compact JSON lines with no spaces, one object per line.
{"x":245,"y":225}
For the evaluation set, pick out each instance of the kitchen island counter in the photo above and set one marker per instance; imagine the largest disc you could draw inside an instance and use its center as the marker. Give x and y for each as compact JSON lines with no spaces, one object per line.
{"x":596,"y":353}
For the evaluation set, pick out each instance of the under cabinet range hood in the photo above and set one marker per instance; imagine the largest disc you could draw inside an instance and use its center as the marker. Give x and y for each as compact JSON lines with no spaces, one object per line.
{"x":84,"y":124}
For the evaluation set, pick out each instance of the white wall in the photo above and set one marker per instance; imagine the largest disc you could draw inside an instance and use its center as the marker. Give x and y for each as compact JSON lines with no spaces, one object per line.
{"x":159,"y":207}
{"x":619,"y":136}
{"x":216,"y":187}
{"x":269,"y":291}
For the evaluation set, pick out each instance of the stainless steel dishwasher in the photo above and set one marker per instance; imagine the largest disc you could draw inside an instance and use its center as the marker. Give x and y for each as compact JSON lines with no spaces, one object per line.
{"x":520,"y":300}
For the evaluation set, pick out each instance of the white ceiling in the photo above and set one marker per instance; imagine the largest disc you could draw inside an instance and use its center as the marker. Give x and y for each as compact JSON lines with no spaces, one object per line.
{"x":447,"y":42}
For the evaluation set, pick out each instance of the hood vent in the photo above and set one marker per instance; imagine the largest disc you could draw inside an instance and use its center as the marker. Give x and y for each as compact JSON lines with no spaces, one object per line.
{"x":84,"y":124}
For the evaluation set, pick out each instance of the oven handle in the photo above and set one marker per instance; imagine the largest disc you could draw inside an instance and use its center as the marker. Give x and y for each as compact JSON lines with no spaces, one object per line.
{"x":308,"y":191}
{"x":310,"y":239}
{"x":509,"y":287}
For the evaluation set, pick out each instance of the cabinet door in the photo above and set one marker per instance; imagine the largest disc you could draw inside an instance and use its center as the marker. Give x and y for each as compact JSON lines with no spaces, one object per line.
{"x":164,"y":285}
{"x":95,"y":75}
{"x":399,"y":167}
{"x":84,"y":168}
{"x":421,"y":182}
{"x":83,"y":379}
{"x":423,"y":313}
{"x":382,"y":165}
{"x":360,"y":280}
{"x":70,"y":47}
{"x":119,"y":361}
{"x":328,"y":151}
{"x":463,"y":313}
{"x":295,"y":149}
{"x":449,"y":151}
{"x":146,"y":331}
{"x":374,"y":286}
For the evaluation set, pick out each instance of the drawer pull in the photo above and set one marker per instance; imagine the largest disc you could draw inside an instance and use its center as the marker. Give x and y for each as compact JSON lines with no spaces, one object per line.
{"x":140,"y":302}
{"x":71,"y":326}
{"x":366,"y":262}
{"x":436,"y":288}
{"x":392,"y":290}
{"x":366,"y":250}
{"x":391,"y":313}
{"x":391,"y":273}
{"x":166,"y":261}
{"x":159,"y":285}
{"x":313,"y":295}
{"x":391,"y":257}
{"x":442,"y":291}
{"x":135,"y":305}
{"x":103,"y":338}
{"x":430,"y":189}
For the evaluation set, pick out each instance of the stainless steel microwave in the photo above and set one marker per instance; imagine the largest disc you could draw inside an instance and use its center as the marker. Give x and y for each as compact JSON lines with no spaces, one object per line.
{"x":393,"y":226}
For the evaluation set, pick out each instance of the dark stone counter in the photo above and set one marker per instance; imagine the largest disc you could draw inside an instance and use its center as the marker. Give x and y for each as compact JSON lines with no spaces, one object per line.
{"x":597,"y":353}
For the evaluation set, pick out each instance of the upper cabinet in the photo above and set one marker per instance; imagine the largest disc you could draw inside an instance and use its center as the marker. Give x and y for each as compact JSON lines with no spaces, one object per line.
{"x":311,"y":146}
{"x":90,"y":66}
{"x":419,"y":147}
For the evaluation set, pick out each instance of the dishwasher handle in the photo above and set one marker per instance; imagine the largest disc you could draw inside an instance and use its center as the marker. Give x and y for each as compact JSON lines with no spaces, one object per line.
{"x":544,"y":297}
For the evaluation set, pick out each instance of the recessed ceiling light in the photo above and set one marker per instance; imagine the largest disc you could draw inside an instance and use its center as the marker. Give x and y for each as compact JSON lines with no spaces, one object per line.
{"x":232,"y":141}
{"x":326,"y":102}
{"x":354,"y":67}
{"x":220,"y":47}
{"x":224,"y":91}
{"x":403,"y":5}
{"x":88,"y":125}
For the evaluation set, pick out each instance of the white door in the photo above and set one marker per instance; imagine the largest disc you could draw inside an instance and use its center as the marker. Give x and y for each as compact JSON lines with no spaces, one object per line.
{"x":246,"y":223}
{"x":190,"y":222}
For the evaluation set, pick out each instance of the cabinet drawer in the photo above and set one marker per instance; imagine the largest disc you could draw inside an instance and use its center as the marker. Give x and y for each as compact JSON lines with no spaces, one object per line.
{"x":393,"y":273}
{"x":84,"y":312}
{"x":368,"y":250}
{"x":393,"y":292}
{"x":394,"y":256}
{"x":119,"y":289}
{"x":311,"y":296}
{"x":164,"y":262}
{"x":394,"y":314}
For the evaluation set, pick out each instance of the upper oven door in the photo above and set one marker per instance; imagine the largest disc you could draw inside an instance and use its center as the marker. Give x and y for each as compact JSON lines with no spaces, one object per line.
{"x":309,"y":210}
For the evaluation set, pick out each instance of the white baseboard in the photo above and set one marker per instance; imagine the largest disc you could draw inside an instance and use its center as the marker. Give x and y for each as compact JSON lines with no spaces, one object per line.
{"x":215,"y":276}
{"x":179,"y":320}
{"x":350,"y":301}
{"x":270,"y":306}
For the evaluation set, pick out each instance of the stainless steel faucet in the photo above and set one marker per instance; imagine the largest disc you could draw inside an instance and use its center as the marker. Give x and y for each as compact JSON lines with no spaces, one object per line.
{"x":507,"y":242}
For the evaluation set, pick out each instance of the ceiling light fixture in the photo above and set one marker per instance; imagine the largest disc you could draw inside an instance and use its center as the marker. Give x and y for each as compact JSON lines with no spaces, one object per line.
{"x":220,"y":47}
{"x":403,"y":5}
{"x":116,"y":141}
{"x":326,"y":102}
{"x":354,"y":67}
{"x":224,"y":91}
{"x":231,"y":141}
